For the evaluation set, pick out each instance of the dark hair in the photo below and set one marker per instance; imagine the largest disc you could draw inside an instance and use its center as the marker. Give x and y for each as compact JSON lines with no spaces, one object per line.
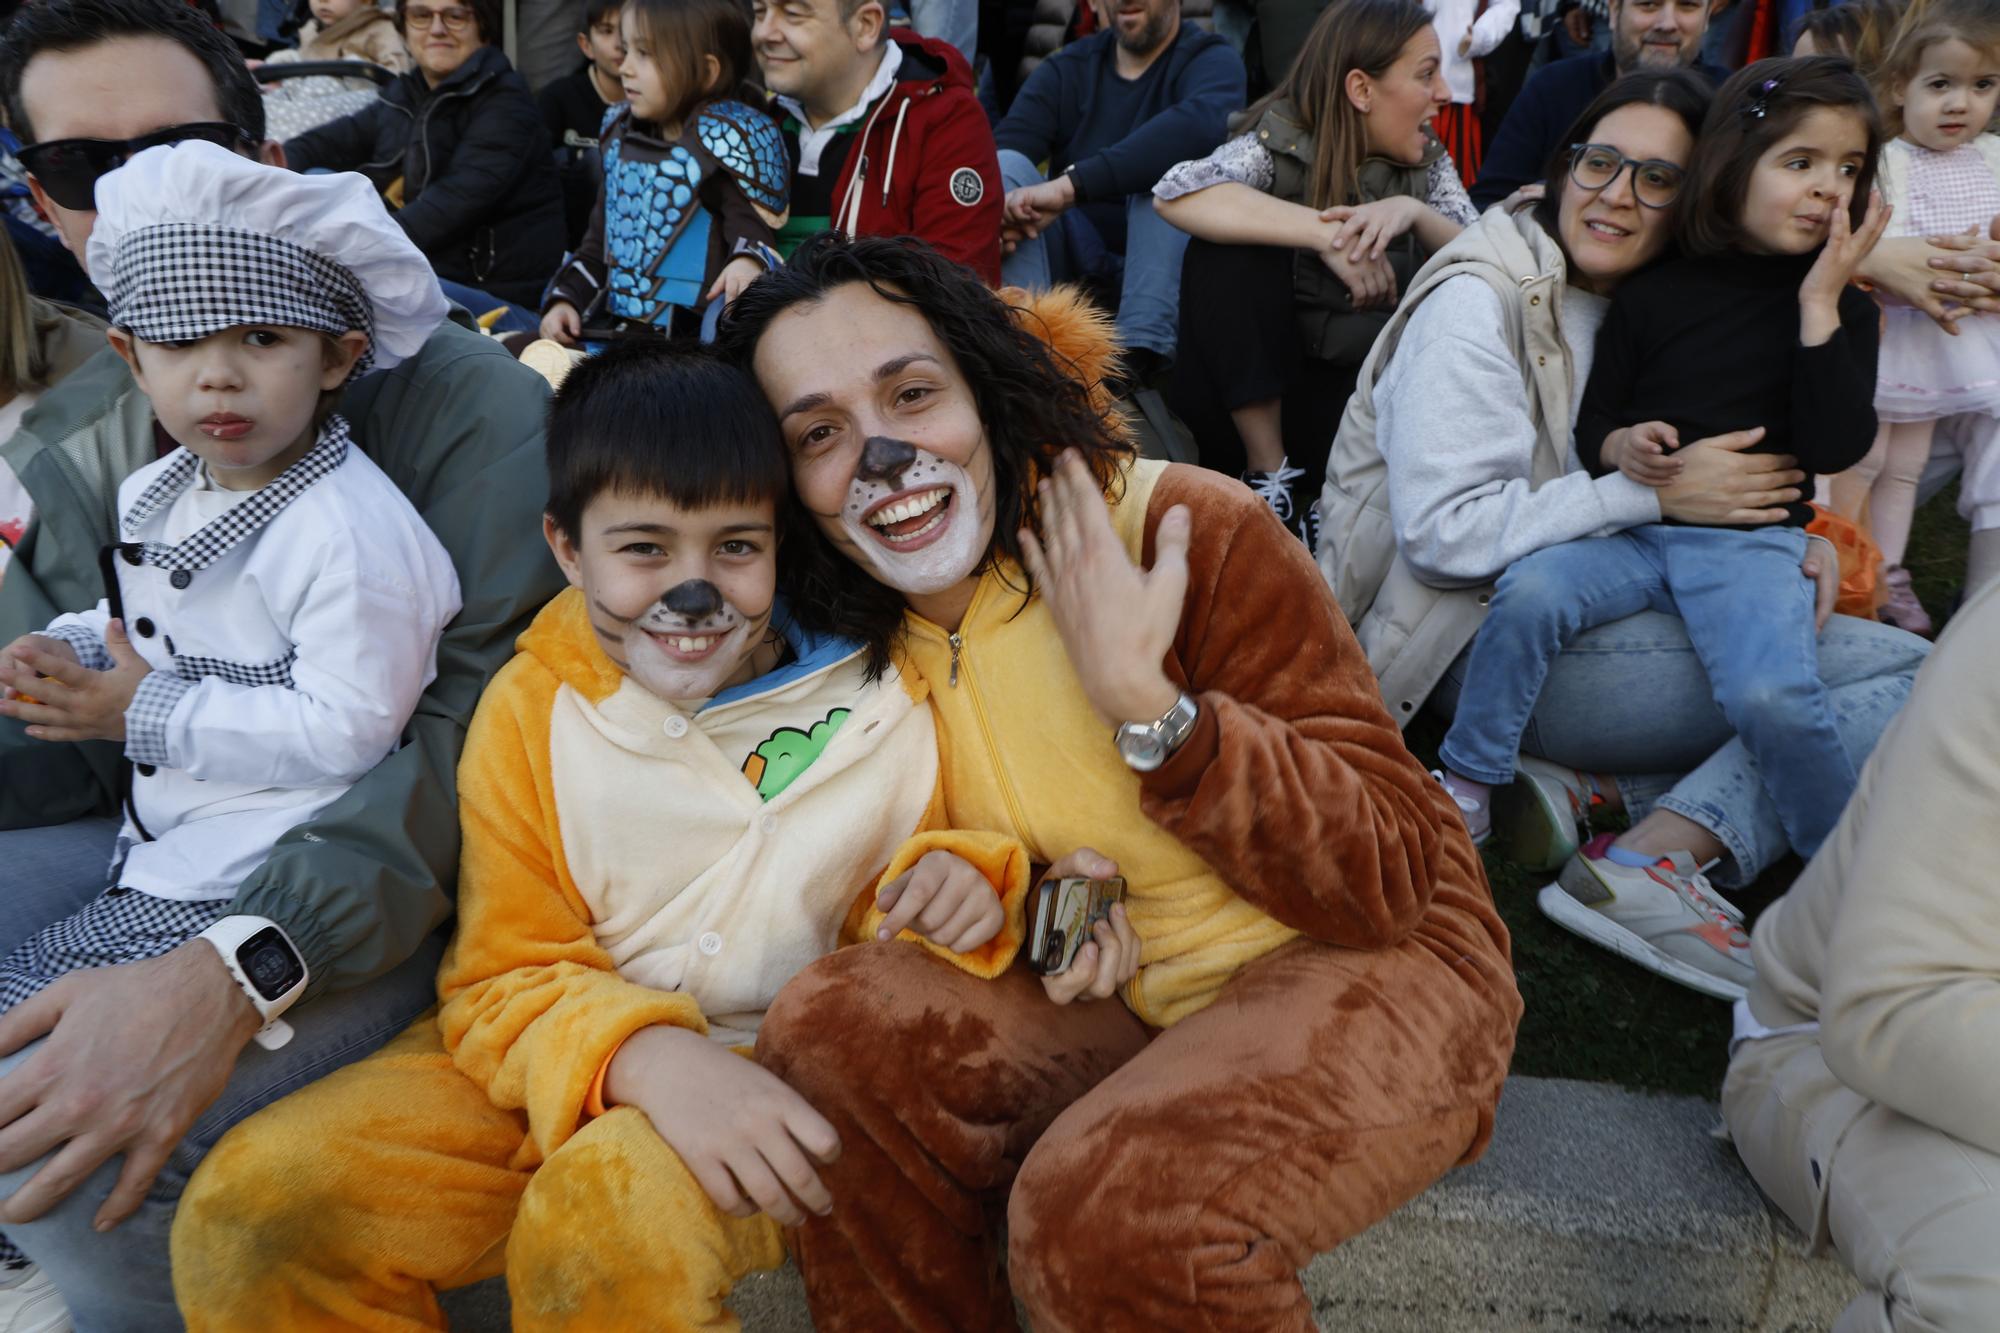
{"x":487,"y":15}
{"x":1975,"y":24}
{"x":1032,"y":405}
{"x":1681,"y":91}
{"x":594,"y":10}
{"x":1757,"y":107}
{"x":69,"y":25}
{"x":684,"y":33}
{"x":1365,"y":35}
{"x":650,"y":417}
{"x":1857,"y":29}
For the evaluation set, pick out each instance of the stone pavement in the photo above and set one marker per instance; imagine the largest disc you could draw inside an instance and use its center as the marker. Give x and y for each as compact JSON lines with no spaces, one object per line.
{"x":1595,"y":1209}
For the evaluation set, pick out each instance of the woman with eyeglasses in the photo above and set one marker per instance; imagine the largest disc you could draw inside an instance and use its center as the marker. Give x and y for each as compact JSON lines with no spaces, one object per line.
{"x":1456,"y":459}
{"x":459,"y":149}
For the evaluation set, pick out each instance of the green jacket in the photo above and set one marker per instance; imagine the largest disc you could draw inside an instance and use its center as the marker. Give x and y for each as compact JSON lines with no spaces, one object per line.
{"x":459,"y":428}
{"x":1329,"y":325}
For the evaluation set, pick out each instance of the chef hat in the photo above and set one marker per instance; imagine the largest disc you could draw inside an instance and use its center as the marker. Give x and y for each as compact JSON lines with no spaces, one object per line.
{"x":192,"y":239}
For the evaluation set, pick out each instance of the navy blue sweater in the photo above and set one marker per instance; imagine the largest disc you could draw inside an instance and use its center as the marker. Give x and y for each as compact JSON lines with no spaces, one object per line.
{"x":1115,"y":136}
{"x":1541,"y":117}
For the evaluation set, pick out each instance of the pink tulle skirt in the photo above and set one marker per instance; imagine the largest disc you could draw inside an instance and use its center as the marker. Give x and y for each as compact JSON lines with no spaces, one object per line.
{"x":1925,"y":373}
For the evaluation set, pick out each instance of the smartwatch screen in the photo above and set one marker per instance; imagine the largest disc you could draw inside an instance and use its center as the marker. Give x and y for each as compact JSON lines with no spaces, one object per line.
{"x":268,"y":961}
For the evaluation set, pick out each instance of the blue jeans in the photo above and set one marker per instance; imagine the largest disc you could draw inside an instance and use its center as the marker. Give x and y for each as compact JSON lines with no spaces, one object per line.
{"x":121,"y":1281}
{"x":478,"y":303}
{"x":1148,"y":273}
{"x":1748,"y":613}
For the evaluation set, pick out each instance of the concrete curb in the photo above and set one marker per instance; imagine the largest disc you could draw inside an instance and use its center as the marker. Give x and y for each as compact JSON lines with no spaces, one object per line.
{"x":1595,"y":1209}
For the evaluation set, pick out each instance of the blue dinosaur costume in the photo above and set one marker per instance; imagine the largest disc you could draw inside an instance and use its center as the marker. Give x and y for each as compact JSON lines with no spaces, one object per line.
{"x":671,"y":214}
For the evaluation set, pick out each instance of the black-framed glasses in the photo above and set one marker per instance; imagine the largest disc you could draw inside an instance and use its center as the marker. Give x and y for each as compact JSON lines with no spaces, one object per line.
{"x":1594,"y":166}
{"x":418,"y":18}
{"x":69,"y":168}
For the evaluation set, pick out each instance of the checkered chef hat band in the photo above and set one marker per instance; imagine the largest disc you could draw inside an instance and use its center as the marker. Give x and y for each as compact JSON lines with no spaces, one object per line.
{"x":180,"y":281}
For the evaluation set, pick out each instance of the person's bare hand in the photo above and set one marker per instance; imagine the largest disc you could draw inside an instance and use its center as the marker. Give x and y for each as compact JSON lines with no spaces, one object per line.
{"x":943,"y":898}
{"x":73,"y":702}
{"x":751,"y":1141}
{"x":1721,"y":485}
{"x":131,"y":1056}
{"x":1028,"y":209}
{"x":1577,"y":24}
{"x":1117,"y":621}
{"x":1947,"y":277}
{"x":17,"y":677}
{"x":1110,"y":957}
{"x":562,"y":324}
{"x":1822,"y":566}
{"x":1531,"y":193}
{"x":1644,"y":452}
{"x":1839,"y":259}
{"x":737,"y":274}
{"x":1364,"y":231}
{"x":1371,"y":283}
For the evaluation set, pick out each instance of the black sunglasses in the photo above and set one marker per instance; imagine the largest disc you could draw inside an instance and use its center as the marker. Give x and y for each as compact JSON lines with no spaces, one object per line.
{"x":69,"y":168}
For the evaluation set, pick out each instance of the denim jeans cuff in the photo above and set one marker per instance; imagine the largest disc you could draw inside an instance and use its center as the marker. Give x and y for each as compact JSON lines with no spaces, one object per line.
{"x":1739,"y":864}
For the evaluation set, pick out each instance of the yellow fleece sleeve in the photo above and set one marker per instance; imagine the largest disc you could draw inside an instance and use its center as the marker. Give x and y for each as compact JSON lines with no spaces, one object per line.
{"x":1001,"y":859}
{"x":533,"y":1009}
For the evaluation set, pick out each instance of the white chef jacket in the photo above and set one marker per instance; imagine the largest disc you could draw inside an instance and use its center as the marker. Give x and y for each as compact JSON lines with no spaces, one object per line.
{"x":290,"y":631}
{"x":1451,"y":18}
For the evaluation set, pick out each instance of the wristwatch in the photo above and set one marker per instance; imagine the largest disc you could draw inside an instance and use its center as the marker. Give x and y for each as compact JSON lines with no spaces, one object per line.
{"x":264,"y":963}
{"x":1144,"y":746}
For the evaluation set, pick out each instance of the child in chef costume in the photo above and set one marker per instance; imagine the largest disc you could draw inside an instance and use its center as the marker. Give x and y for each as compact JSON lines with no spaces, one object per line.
{"x":273,"y":603}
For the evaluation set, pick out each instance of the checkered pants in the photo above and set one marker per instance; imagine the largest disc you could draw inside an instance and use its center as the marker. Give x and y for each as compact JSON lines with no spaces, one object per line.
{"x":120,"y":925}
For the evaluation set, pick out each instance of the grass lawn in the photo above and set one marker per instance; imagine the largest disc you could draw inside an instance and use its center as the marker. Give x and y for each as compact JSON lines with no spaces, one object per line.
{"x":1593,"y":1016}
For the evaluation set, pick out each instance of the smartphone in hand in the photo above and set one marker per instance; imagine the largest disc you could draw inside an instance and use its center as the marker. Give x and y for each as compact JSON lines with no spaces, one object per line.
{"x":1065,"y":912}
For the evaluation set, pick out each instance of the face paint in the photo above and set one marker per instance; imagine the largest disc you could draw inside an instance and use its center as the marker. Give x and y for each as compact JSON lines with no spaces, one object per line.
{"x":917,"y":518}
{"x":688,"y":644}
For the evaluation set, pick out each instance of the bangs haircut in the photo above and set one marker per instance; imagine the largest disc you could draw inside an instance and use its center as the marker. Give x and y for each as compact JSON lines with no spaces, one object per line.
{"x":489,"y":16}
{"x":595,"y":13}
{"x":61,"y":26}
{"x":1681,"y":91}
{"x":1975,"y":24}
{"x":683,"y":34}
{"x":671,"y":420}
{"x":1735,"y":136}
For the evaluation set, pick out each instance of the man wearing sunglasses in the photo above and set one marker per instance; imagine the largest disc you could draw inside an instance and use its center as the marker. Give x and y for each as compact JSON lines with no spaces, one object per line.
{"x":115,"y":1082}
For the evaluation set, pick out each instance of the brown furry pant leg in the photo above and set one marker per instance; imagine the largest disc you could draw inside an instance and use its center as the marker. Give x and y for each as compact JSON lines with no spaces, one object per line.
{"x":1170,"y":1181}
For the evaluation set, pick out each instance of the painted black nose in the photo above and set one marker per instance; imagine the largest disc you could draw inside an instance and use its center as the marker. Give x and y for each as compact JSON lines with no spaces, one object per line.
{"x":886,"y":460}
{"x":697,"y":599}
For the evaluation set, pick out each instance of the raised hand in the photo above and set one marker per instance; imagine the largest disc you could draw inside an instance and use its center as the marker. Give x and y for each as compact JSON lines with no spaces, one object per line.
{"x":1117,"y":621}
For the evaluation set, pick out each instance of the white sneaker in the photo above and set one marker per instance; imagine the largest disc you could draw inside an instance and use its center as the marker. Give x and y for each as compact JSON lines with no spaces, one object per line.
{"x":30,"y":1303}
{"x":1477,"y":814}
{"x":1544,"y":814}
{"x":1665,"y":917}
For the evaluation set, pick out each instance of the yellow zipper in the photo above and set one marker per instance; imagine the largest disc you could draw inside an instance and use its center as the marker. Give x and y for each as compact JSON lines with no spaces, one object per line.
{"x":959,"y":661}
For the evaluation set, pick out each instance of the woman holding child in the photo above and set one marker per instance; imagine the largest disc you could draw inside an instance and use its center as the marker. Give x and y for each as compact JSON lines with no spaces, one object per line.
{"x":1456,"y":460}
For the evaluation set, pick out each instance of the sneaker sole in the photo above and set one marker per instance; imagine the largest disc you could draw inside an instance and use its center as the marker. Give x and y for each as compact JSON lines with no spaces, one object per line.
{"x":1558,"y":906}
{"x":1540,"y":835}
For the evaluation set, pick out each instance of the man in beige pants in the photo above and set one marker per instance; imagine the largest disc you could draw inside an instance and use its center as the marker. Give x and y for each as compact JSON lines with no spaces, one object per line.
{"x":1864,"y":1085}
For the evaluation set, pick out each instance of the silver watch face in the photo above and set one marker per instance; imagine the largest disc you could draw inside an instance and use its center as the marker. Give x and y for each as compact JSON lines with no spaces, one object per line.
{"x":1142,"y":747}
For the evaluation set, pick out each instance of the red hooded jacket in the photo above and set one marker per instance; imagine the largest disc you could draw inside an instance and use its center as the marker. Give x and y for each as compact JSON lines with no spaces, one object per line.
{"x":926,"y":165}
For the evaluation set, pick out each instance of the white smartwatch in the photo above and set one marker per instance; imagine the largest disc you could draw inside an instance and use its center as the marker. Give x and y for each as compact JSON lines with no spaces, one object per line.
{"x":266,"y":965}
{"x":1144,"y":746}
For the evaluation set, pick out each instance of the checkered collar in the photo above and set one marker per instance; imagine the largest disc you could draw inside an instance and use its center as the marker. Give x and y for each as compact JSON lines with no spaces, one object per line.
{"x":203,"y":548}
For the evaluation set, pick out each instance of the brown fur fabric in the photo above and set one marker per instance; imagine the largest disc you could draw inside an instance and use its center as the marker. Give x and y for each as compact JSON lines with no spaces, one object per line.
{"x":1178,"y":1180}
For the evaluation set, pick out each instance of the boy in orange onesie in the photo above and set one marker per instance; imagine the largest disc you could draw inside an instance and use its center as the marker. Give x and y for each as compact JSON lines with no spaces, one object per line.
{"x":679,"y":793}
